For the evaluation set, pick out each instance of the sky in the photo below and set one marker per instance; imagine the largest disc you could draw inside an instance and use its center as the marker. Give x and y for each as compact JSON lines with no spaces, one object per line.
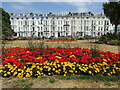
{"x":55,"y":7}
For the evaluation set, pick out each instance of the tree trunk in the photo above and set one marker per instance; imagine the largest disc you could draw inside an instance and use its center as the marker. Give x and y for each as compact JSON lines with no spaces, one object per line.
{"x":116,"y":25}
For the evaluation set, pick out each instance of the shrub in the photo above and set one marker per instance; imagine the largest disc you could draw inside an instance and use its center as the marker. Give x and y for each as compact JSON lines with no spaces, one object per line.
{"x":109,"y":38}
{"x":114,"y":42}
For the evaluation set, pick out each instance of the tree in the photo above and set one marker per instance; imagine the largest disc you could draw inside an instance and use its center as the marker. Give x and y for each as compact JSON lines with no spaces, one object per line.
{"x":112,"y":11}
{"x":7,"y":31}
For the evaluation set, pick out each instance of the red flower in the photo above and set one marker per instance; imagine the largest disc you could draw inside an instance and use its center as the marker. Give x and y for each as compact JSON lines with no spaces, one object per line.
{"x":22,"y":67}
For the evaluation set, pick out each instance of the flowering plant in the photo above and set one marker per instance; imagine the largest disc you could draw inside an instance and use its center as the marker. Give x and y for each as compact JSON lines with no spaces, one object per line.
{"x":24,"y":62}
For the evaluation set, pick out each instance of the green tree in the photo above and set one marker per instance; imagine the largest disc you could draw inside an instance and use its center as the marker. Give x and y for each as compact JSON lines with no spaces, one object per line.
{"x":112,"y":11}
{"x":5,"y":26}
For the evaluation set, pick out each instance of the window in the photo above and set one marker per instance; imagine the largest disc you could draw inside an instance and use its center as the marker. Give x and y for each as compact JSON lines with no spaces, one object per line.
{"x":41,"y":33}
{"x":73,"y":17}
{"x":107,"y":22}
{"x":32,"y":17}
{"x":19,"y":28}
{"x":57,"y":17}
{"x":58,"y":28}
{"x":101,"y":28}
{"x":53,"y":22}
{"x":53,"y":28}
{"x":38,"y":33}
{"x":66,"y":28}
{"x":66,"y":34}
{"x":46,"y":22}
{"x":33,"y":28}
{"x":33,"y":23}
{"x":77,"y":17}
{"x":25,"y":22}
{"x":61,"y":22}
{"x":17,"y":18}
{"x":21,"y":22}
{"x":98,"y":28}
{"x":46,"y":28}
{"x":46,"y":17}
{"x":99,"y":23}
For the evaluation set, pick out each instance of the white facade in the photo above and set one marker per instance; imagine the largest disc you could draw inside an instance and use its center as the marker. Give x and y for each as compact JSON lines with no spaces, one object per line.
{"x":57,"y":25}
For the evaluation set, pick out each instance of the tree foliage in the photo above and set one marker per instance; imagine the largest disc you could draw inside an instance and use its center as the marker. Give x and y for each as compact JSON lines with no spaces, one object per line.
{"x":112,"y":11}
{"x":7,"y":31}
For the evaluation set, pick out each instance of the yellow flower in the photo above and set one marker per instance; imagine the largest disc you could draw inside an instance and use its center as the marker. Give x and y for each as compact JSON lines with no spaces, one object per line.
{"x":49,"y":73}
{"x":15,"y":73}
{"x":27,"y":75}
{"x":56,"y":71}
{"x":41,"y":69}
{"x":8,"y":73}
{"x":38,"y":67}
{"x":58,"y":65}
{"x":71,"y":71}
{"x":89,"y":72}
{"x":105,"y":60}
{"x":72,"y":56}
{"x":53,"y":69}
{"x":62,"y":63}
{"x":38,"y":72}
{"x":108,"y":73}
{"x":1,"y":71}
{"x":39,"y":58}
{"x":48,"y":64}
{"x":19,"y":59}
{"x":5,"y":75}
{"x":64,"y":69}
{"x":49,"y":69}
{"x":75,"y":71}
{"x":58,"y":57}
{"x":19,"y":69}
{"x":64,"y":74}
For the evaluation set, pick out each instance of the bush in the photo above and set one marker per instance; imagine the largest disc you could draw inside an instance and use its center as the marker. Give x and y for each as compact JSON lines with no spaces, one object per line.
{"x":109,"y":38}
{"x":114,"y":42}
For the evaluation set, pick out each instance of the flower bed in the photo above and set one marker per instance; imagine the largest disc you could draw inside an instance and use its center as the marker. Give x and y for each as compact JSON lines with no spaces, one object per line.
{"x":35,"y":62}
{"x":62,"y":40}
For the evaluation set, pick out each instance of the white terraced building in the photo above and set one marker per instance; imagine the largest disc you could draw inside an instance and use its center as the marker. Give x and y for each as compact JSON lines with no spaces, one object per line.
{"x":57,"y":25}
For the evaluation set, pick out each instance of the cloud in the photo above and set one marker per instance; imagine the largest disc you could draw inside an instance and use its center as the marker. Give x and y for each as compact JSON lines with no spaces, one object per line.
{"x":81,"y":6}
{"x":21,"y":5}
